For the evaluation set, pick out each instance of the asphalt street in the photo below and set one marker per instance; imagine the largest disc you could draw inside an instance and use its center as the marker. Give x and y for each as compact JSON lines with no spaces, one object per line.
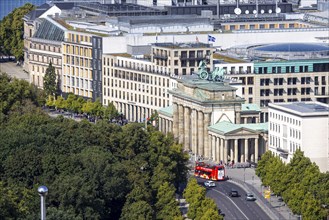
{"x":234,"y":207}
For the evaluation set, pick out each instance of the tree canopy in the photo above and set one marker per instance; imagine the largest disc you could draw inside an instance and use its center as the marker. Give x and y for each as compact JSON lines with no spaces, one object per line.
{"x":12,"y":31}
{"x":92,"y":171}
{"x":50,"y":82}
{"x":300,"y":183}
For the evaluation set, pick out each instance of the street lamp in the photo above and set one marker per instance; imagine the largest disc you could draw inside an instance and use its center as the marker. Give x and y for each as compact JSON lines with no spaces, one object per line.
{"x":43,"y":191}
{"x":244,"y":174}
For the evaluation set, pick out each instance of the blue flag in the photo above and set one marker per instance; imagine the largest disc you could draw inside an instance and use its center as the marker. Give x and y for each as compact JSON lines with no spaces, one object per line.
{"x":211,"y":38}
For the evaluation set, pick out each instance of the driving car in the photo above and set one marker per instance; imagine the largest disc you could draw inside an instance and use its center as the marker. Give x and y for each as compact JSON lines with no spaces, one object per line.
{"x":234,"y":193}
{"x":209,"y":183}
{"x":250,"y":197}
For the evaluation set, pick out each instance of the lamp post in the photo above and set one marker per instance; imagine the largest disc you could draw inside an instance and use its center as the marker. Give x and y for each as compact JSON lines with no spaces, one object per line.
{"x":43,"y":191}
{"x":244,"y":174}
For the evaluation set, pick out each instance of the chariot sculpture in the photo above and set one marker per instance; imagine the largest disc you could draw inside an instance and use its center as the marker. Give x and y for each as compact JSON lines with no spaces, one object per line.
{"x":216,"y":75}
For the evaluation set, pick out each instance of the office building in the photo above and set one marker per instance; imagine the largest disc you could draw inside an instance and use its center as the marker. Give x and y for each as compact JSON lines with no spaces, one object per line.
{"x":300,"y":125}
{"x":279,"y":73}
{"x":138,"y":85}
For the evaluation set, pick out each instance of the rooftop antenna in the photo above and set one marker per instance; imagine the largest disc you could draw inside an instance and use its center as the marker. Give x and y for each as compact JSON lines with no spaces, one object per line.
{"x":237,"y":10}
{"x":256,"y":14}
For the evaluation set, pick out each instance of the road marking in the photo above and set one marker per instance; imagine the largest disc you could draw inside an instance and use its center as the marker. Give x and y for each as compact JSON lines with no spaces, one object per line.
{"x":232,"y":202}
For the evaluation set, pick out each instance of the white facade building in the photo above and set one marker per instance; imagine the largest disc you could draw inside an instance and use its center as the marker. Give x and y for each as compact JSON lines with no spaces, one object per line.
{"x":303,"y":125}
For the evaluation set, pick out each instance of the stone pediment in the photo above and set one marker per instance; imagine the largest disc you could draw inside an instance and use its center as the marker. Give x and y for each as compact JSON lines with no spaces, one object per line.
{"x":242,"y":132}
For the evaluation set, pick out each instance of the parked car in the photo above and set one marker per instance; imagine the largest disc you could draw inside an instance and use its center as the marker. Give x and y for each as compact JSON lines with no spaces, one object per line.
{"x":250,"y":197}
{"x":234,"y":193}
{"x":209,"y":183}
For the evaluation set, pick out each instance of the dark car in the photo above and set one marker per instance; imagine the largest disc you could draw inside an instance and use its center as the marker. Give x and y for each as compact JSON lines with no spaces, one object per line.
{"x":234,"y":193}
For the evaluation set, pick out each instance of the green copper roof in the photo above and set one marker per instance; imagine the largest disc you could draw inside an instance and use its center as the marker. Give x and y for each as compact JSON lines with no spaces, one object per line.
{"x":226,"y":127}
{"x":168,"y":111}
{"x":250,"y":107}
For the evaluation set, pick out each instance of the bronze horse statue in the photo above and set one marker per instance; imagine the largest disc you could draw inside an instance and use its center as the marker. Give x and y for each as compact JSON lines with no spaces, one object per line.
{"x":216,"y":75}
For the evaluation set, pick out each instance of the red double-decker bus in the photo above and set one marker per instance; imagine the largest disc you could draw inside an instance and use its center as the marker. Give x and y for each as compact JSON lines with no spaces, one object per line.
{"x":211,"y":172}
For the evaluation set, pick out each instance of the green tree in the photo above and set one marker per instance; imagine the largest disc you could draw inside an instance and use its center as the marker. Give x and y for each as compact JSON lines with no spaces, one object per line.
{"x":12,"y":30}
{"x":15,"y":201}
{"x":140,"y":210}
{"x":166,"y":205}
{"x":49,"y":81}
{"x":87,"y":107}
{"x":51,"y":101}
{"x":110,"y":111}
{"x":208,"y":210}
{"x":77,"y":105}
{"x":60,"y":103}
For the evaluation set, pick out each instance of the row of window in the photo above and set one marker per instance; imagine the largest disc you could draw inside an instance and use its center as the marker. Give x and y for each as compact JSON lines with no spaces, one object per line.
{"x":76,"y":38}
{"x":78,"y":91}
{"x":262,"y":26}
{"x":149,"y":89}
{"x":42,"y":69}
{"x":44,"y":47}
{"x":138,"y":77}
{"x":78,"y":71}
{"x":278,"y":69}
{"x":78,"y":82}
{"x":78,"y":61}
{"x":45,"y":59}
{"x":138,"y":98}
{"x":78,"y":50}
{"x":285,"y":119}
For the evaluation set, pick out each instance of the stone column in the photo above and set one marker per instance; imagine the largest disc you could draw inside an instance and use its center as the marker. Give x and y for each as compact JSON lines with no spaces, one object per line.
{"x":225,"y":146}
{"x":167,"y":126}
{"x":218,"y":154}
{"x":231,"y":151}
{"x":238,"y":117}
{"x":194,"y":128}
{"x":213,"y":148}
{"x":256,"y":150}
{"x":246,"y":148}
{"x":160,"y":125}
{"x":221,"y":149}
{"x":180,"y":124}
{"x":175,"y":120}
{"x":187,"y":115}
{"x":200,"y":133}
{"x":236,"y":141}
{"x":206,"y":123}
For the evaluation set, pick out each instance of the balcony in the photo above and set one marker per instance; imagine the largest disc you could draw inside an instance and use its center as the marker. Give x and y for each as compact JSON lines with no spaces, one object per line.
{"x":159,"y":56}
{"x":191,"y":58}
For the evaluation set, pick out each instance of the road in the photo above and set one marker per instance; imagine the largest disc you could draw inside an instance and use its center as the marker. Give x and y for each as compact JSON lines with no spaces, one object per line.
{"x":234,"y":208}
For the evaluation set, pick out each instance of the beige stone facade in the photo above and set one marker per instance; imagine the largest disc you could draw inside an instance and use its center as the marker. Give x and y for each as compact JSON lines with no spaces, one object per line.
{"x":77,"y":64}
{"x":206,"y":120}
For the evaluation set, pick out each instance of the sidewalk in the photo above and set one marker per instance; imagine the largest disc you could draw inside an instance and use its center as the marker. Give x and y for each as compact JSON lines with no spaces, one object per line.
{"x":247,"y":179}
{"x":13,"y":70}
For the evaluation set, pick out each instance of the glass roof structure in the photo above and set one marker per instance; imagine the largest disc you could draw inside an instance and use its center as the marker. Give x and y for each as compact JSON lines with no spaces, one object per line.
{"x":49,"y":31}
{"x":293,"y":47}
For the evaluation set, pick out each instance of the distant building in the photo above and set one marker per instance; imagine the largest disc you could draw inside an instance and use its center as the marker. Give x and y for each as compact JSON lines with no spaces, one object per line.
{"x":138,"y":86}
{"x":300,"y":125}
{"x":279,"y":73}
{"x":7,"y":6}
